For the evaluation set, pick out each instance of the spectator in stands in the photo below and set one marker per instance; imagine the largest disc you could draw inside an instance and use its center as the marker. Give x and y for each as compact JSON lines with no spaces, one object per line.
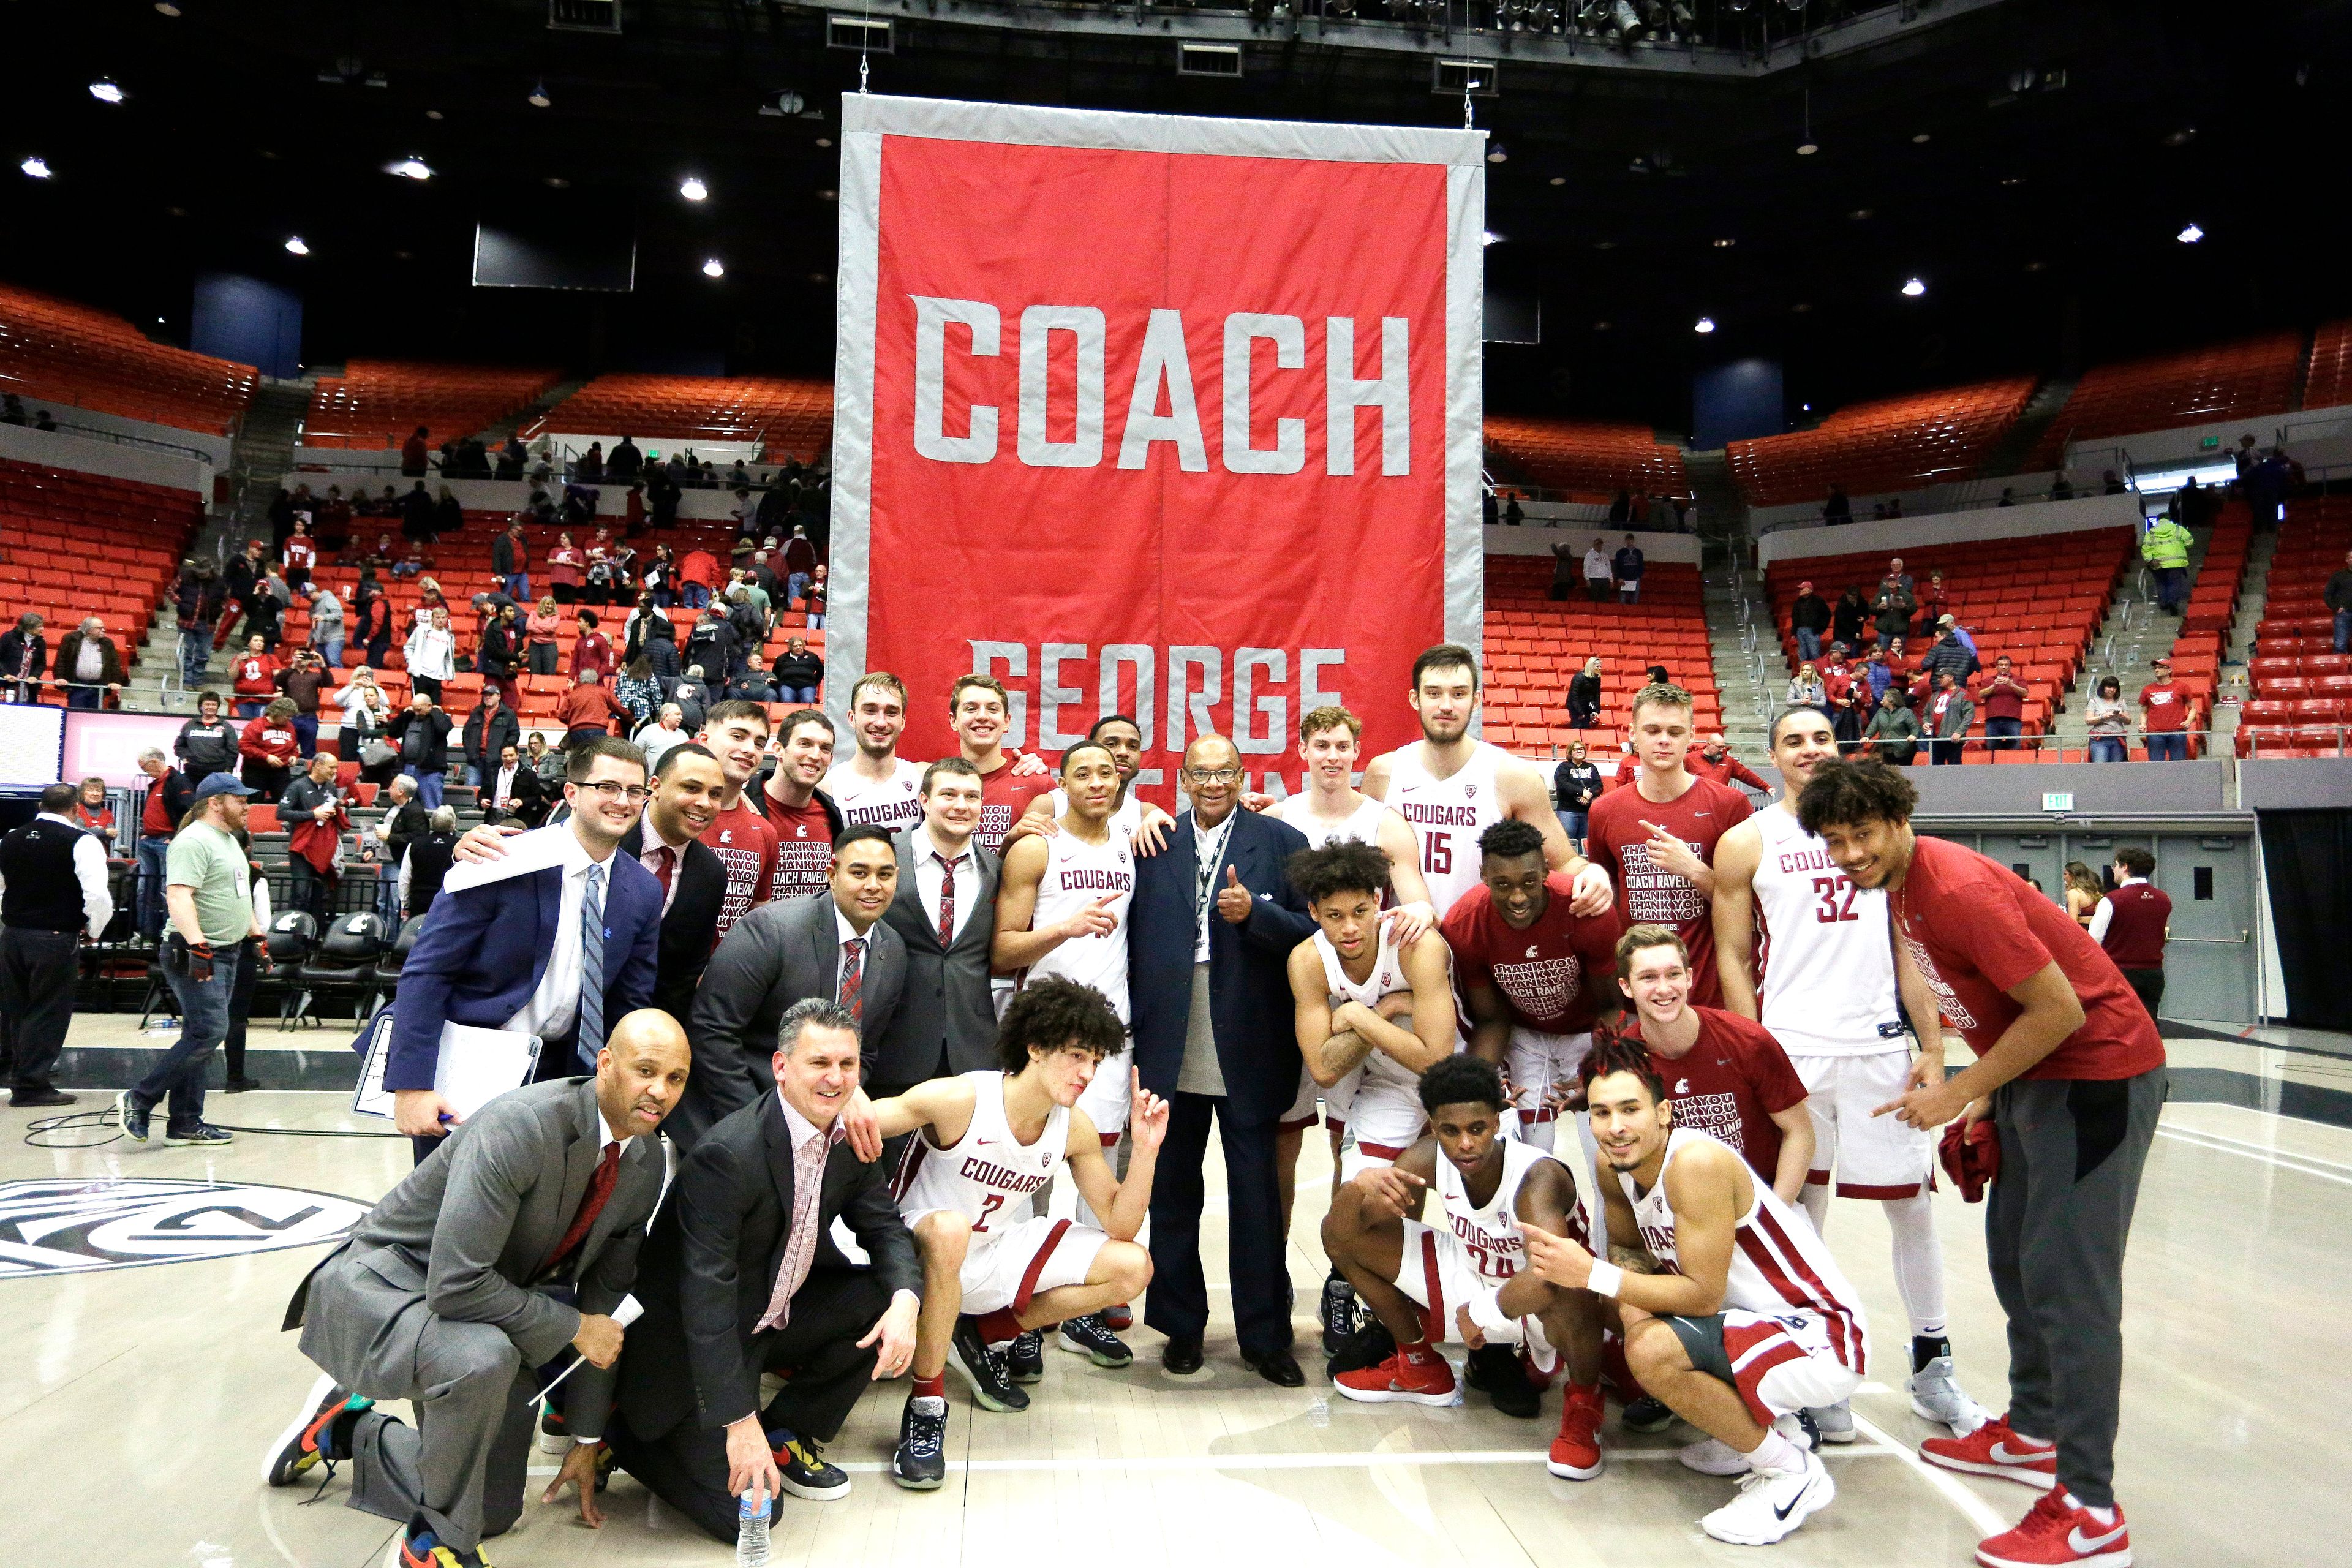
{"x":817,"y":593}
{"x":1809,"y":617}
{"x":589,"y":711}
{"x":1712,"y":760}
{"x":169,"y":795}
{"x":1950,"y":651}
{"x":1563,"y":570}
{"x":2107,"y":718}
{"x":601,"y":574}
{"x":639,"y":691}
{"x":312,"y":811}
{"x":281,"y":522}
{"x":662,"y":498}
{"x":432,"y":653}
{"x":1838,"y":508}
{"x":592,"y":649}
{"x":327,"y":625}
{"x":2083,"y":893}
{"x":413,"y":453}
{"x":626,"y":462}
{"x":405,"y":821}
{"x":302,"y":681}
{"x":2164,"y":708}
{"x":698,"y":574}
{"x":1597,"y":579}
{"x":1893,"y":733}
{"x":1950,"y":714}
{"x":1935,"y":604}
{"x":512,"y":789}
{"x":207,"y":744}
{"x":538,"y":636}
{"x":691,"y":692}
{"x":417,"y":514}
{"x":421,"y":732}
{"x":750,"y":629}
{"x":511,"y":561}
{"x":2337,"y":596}
{"x":1843,"y":694}
{"x":1847,"y":617}
{"x":1621,"y":508}
{"x":89,"y":664}
{"x":2165,"y":548}
{"x":799,"y":672}
{"x":564,"y":563}
{"x":751,"y":683}
{"x":449,"y":516}
{"x":1877,"y":676}
{"x":197,"y":596}
{"x":24,"y":657}
{"x":367,"y":716}
{"x":298,"y":555}
{"x":1627,"y":565}
{"x":711,"y":644}
{"x":91,"y":810}
{"x":2111,"y":483}
{"x":268,"y":748}
{"x":12,"y":409}
{"x":511,"y":460}
{"x":1891,"y":614}
{"x":2002,"y":696}
{"x":1575,"y":785}
{"x":2133,"y":923}
{"x":590,"y":465}
{"x":490,"y":729}
{"x":2062,"y":488}
{"x":666,"y":730}
{"x":746,"y":514}
{"x":500,"y":652}
{"x":1805,"y":689}
{"x":548,"y":761}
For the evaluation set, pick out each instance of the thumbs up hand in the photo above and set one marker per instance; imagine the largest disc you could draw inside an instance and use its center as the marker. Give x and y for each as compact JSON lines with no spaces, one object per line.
{"x":1232,"y":899}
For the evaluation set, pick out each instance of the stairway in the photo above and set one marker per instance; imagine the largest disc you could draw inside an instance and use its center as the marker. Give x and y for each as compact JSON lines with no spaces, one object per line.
{"x":2234,"y":688}
{"x":264,"y":451}
{"x":1722,"y":509}
{"x":2008,"y":454}
{"x":496,"y":435}
{"x":1749,"y":672}
{"x":2134,"y":633}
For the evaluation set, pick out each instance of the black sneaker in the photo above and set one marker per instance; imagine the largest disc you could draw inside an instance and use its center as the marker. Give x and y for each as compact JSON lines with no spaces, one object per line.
{"x":1090,"y":1337}
{"x":1495,"y":1370}
{"x":307,"y":1442}
{"x":984,"y":1370}
{"x":29,"y":1098}
{"x":555,"y":1436}
{"x":241,"y":1086}
{"x":802,"y":1468}
{"x":1646,"y":1415}
{"x":1369,"y":1346}
{"x":133,"y":1115}
{"x":1336,"y":1312}
{"x":920,"y":1461}
{"x":202,"y":1133}
{"x":1025,"y":1358}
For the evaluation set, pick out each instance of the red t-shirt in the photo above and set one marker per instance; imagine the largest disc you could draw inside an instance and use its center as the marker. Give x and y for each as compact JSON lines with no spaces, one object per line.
{"x":2003,"y":700}
{"x":1616,"y":840}
{"x":1975,"y":928}
{"x":1552,"y":976}
{"x":746,"y":845}
{"x":256,"y":675}
{"x":300,"y":551}
{"x":1729,"y":1084}
{"x":2166,"y":707}
{"x":804,"y":847}
{"x":1002,"y":799}
{"x":268,"y":743}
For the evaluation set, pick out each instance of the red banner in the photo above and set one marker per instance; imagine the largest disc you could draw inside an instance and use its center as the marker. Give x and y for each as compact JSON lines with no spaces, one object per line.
{"x":1155,"y":416}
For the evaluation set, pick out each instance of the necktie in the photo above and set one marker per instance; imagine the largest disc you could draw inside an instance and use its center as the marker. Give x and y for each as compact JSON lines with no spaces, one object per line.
{"x":947,"y":903}
{"x":852,"y":977}
{"x":663,"y":867}
{"x":599,"y":1189}
{"x":590,"y":1038}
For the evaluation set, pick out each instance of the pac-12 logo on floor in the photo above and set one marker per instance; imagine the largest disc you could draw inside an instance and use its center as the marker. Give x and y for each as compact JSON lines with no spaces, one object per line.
{"x":68,"y":1227}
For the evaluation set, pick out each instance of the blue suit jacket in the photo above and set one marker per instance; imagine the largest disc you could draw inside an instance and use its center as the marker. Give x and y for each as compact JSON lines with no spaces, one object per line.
{"x":1249,"y":981}
{"x":482,"y":951}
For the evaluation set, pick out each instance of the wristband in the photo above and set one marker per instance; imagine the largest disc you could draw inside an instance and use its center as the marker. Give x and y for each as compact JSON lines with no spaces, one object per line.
{"x":1607,"y":1278}
{"x":1486,"y":1314}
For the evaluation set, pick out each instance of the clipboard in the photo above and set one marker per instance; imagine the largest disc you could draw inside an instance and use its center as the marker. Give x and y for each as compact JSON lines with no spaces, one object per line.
{"x":475,"y":1066}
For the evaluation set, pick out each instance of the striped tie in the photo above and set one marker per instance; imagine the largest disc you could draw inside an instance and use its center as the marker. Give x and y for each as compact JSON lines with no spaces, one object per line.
{"x":590,"y":1038}
{"x":852,"y":977}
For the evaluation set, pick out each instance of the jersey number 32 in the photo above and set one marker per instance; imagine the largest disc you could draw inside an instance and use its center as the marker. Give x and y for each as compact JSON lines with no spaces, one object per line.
{"x":1837,"y":896}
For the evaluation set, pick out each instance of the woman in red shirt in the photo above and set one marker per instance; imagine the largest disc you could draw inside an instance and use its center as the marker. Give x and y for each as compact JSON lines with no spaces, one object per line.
{"x":271,"y":749}
{"x":563,"y":570}
{"x":540,"y":629}
{"x":91,"y":810}
{"x":254,"y":676}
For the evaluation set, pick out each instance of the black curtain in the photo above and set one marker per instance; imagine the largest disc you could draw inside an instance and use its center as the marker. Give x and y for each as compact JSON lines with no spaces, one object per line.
{"x":2307,"y":858}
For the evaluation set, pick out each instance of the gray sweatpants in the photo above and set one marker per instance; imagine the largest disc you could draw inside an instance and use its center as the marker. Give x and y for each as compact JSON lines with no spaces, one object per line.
{"x":2055,"y":1227}
{"x":461,"y":1468}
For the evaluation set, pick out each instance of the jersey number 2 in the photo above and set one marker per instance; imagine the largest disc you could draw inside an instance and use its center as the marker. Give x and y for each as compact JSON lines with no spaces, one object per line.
{"x":1837,"y":895}
{"x":989,"y":1204}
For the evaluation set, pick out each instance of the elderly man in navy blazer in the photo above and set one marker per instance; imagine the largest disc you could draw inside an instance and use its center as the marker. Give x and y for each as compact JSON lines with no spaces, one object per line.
{"x":1209,"y":935}
{"x":516,"y":951}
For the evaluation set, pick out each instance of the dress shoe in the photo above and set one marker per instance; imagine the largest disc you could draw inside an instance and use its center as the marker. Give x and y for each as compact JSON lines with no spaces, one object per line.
{"x":1279,"y":1368}
{"x":1180,"y":1356}
{"x":27,"y":1098}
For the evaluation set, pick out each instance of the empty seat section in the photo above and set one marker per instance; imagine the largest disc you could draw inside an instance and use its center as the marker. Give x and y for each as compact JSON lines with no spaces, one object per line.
{"x":2301,"y":696}
{"x":1591,"y":462}
{"x":1534,"y":644}
{"x":56,"y":353}
{"x":2225,"y":381}
{"x":75,"y":544}
{"x":2327,"y":381}
{"x":790,"y":418}
{"x":1891,"y":444}
{"x":376,"y":403}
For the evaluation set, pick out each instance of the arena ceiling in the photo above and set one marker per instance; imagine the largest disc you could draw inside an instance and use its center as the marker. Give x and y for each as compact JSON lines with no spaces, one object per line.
{"x":2032,"y":161}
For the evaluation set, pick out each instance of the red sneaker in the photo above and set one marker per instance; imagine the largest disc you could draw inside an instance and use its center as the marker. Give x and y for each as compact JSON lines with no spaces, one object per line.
{"x":1415,"y":1376}
{"x":1993,"y":1449}
{"x":2057,"y":1530}
{"x":1576,"y":1452}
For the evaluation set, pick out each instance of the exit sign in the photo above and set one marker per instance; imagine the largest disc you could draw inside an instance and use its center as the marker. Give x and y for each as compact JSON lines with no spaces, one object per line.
{"x":2058,"y":800}
{"x":2209,"y":441}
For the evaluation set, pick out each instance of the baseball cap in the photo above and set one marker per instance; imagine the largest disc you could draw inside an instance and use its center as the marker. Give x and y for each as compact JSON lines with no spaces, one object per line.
{"x":222,"y":783}
{"x":1806,"y":585}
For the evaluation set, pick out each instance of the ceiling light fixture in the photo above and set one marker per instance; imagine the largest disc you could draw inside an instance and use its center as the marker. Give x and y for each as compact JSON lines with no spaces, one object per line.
{"x":106,"y":91}
{"x":825,"y":141}
{"x":165,"y":7}
{"x":1808,"y":147}
{"x":714,"y":268}
{"x":294,"y":246}
{"x":2183,"y":137}
{"x":35,"y":168}
{"x":1490,"y":237}
{"x":828,"y":195}
{"x":2190,"y":235}
{"x":1860,"y":214}
{"x":1497,"y":153}
{"x":2037,"y":266}
{"x":556,"y":183}
{"x":693,"y":189}
{"x":410,"y":168}
{"x":1912,"y":287}
{"x":1919,"y":140}
{"x":1602,"y":326}
{"x":539,"y":98}
{"x":1704,"y":325}
{"x":1725,"y":244}
{"x":1559,"y":179}
{"x":432,"y":114}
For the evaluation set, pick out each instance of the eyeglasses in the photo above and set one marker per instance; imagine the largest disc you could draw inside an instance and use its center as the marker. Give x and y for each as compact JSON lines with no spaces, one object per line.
{"x":1213,"y":775}
{"x":613,"y":789}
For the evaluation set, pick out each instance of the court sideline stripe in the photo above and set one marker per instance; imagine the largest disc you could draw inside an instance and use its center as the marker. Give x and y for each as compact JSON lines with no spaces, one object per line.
{"x":2302,"y":1165}
{"x":1978,"y":1512}
{"x":1178,"y":1463}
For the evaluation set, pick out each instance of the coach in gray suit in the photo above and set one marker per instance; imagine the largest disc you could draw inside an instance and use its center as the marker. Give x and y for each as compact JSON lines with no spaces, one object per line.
{"x":508,"y":1248}
{"x":831,"y":945}
{"x":947,"y":1023}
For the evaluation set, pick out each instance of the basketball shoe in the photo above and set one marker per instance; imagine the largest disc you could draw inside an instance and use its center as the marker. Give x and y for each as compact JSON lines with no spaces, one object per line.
{"x":1415,"y":1374}
{"x":2058,"y":1531}
{"x":1994,"y":1449}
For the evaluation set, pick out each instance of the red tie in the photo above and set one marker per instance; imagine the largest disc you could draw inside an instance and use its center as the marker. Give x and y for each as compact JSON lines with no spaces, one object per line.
{"x":947,"y":903}
{"x":662,"y":870}
{"x":599,"y":1188}
{"x":852,"y":977}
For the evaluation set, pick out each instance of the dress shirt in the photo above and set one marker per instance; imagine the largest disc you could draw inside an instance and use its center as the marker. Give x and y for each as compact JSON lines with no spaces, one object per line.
{"x":1209,"y":845}
{"x":810,"y":1144}
{"x":552,"y":1008}
{"x":2101,"y":916}
{"x":930,"y":877}
{"x":89,"y":870}
{"x":650,"y":857}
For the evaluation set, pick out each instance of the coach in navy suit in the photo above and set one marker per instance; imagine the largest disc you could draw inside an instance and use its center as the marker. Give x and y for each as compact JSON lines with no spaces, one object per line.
{"x":513,"y":953}
{"x":1209,"y":934}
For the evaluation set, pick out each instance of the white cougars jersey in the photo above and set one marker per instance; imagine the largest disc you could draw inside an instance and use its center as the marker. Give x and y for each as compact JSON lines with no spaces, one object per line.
{"x":985,"y":1171}
{"x":1488,"y":1233}
{"x":1124,"y":819}
{"x":1827,"y":985}
{"x":1780,"y":1264}
{"x":1077,"y":873}
{"x":1386,"y":979}
{"x":1362,"y":827}
{"x":1447,"y":816}
{"x":894,"y":804}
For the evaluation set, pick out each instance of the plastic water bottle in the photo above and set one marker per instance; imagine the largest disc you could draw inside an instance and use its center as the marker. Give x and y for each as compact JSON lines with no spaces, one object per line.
{"x":751,"y":1531}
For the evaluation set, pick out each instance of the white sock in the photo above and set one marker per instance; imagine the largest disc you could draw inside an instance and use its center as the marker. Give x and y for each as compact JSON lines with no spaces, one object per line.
{"x":2104,"y":1515}
{"x":1776,"y":1455}
{"x":1815,"y":1197}
{"x":1539,"y":1134}
{"x":1919,"y":1263}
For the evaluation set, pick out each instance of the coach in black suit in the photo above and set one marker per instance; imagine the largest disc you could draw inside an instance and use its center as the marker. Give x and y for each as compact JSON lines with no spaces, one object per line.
{"x":784,"y":952}
{"x":741,"y":1276}
{"x":668,"y":841}
{"x":946,"y":1024}
{"x":1211,"y":999}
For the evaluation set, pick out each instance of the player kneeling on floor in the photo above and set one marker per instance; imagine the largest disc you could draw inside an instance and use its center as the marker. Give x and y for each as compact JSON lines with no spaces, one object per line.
{"x":1749,"y":1321}
{"x":989,"y":1142}
{"x":1462,"y":1276}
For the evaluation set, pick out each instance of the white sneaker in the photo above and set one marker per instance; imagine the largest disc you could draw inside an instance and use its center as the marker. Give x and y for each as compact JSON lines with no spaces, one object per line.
{"x":1834,"y":1422}
{"x":1936,"y":1395}
{"x":1771,"y":1505}
{"x":1713,"y":1457}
